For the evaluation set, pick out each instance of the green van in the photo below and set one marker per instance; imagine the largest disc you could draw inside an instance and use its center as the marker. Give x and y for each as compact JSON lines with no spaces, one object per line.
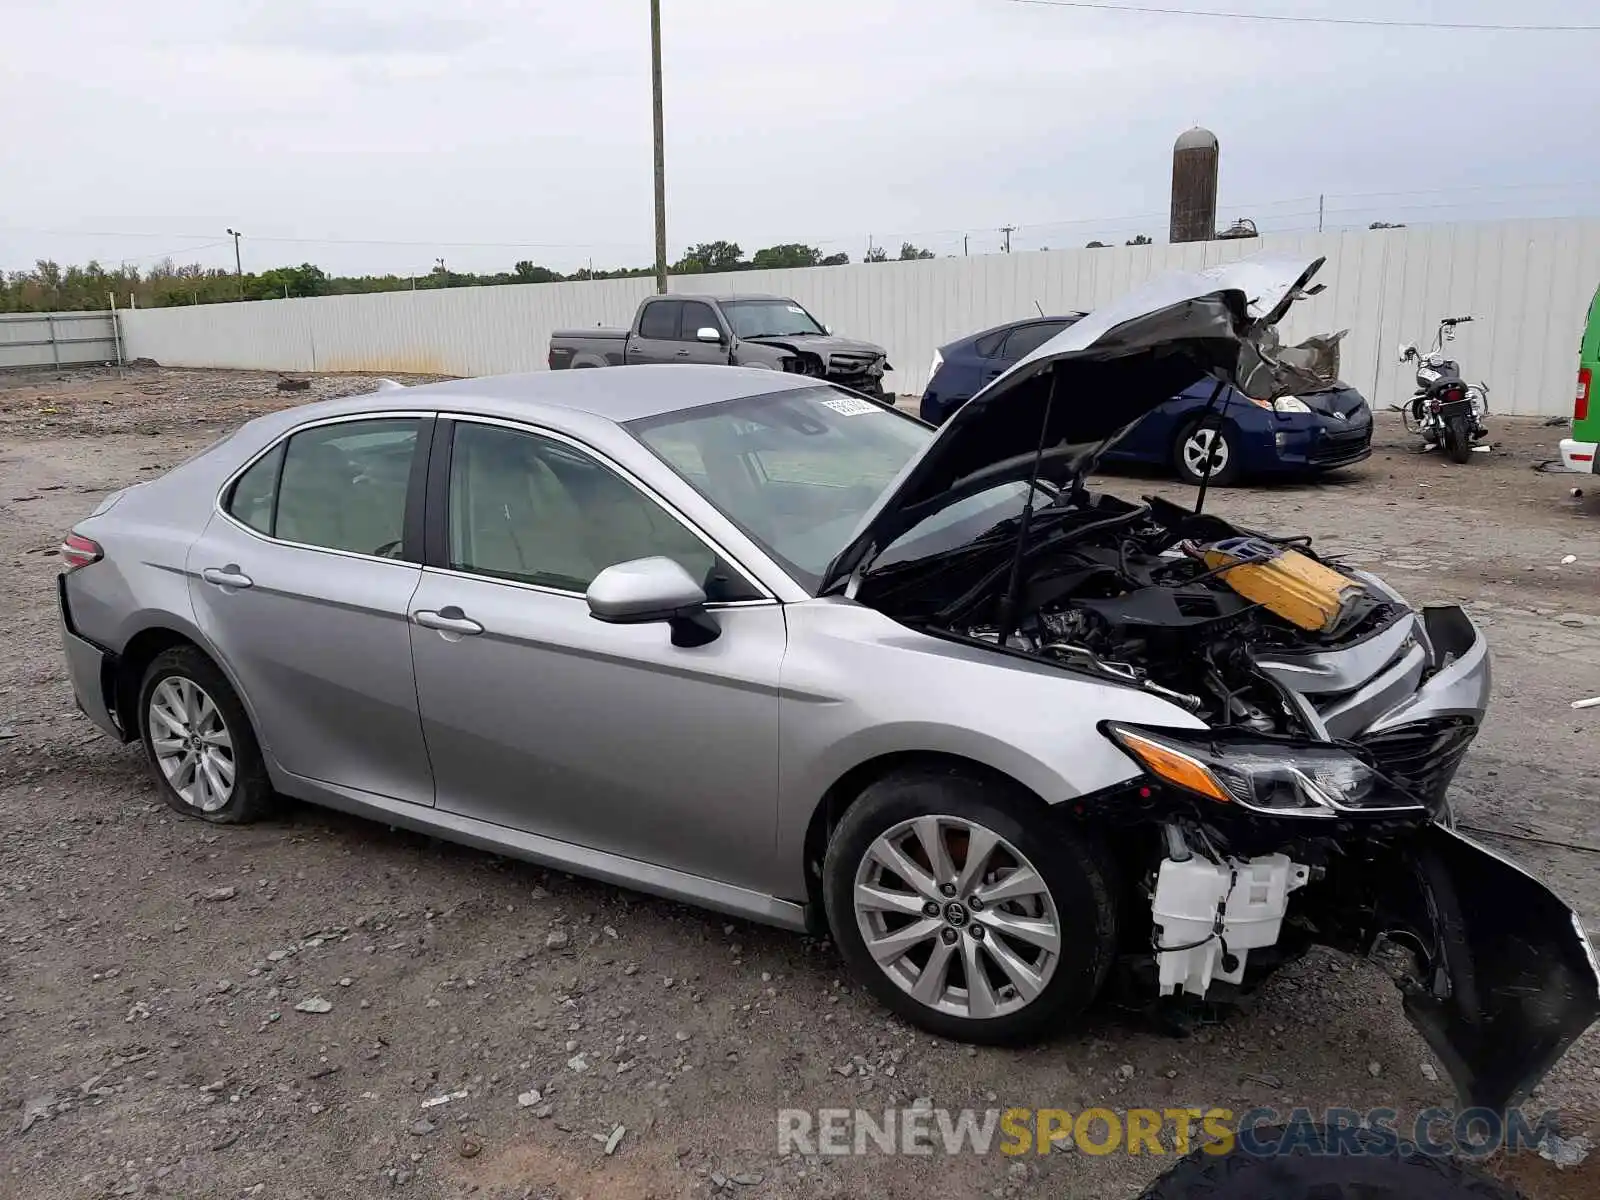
{"x":1579,"y":452}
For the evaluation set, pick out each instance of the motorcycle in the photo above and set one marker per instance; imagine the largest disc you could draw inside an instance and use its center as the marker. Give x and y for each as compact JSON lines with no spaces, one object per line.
{"x":1446,"y":410}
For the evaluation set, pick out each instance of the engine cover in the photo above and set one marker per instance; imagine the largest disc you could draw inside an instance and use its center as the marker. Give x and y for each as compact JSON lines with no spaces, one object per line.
{"x":1294,"y":586}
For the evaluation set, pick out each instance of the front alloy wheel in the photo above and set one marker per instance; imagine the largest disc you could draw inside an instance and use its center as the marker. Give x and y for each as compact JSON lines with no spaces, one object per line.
{"x":957,"y":917}
{"x":968,"y":906}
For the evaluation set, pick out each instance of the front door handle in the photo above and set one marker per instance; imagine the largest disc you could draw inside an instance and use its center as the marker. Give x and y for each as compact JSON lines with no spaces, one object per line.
{"x":683,"y":354}
{"x":448,"y":619}
{"x":227,"y":577}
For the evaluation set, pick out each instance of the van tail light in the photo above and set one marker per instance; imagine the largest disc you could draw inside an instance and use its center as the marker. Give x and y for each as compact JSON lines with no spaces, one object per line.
{"x":1580,"y":403}
{"x":79,"y":551}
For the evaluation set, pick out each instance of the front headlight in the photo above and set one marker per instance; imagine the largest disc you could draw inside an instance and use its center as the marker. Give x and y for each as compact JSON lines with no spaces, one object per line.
{"x":1283,"y":405}
{"x":1277,"y":778}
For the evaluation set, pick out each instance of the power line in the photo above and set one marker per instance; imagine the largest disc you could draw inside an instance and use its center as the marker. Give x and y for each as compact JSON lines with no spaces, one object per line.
{"x":170,"y":253}
{"x":1287,"y":19}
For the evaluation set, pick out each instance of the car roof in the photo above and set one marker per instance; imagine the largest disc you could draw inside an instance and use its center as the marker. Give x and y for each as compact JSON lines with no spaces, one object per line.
{"x":571,"y":398}
{"x":724,"y":299}
{"x":1005,"y":325}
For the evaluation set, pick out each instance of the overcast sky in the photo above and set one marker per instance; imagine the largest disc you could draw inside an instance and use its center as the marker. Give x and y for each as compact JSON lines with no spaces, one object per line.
{"x":386,"y":133}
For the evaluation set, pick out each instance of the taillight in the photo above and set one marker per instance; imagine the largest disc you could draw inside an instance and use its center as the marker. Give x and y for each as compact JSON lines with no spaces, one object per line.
{"x":79,"y":551}
{"x":1580,"y":403}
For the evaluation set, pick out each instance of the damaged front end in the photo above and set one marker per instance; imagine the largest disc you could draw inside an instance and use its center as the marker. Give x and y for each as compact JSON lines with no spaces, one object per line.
{"x":1495,"y":970}
{"x":1310,"y":805}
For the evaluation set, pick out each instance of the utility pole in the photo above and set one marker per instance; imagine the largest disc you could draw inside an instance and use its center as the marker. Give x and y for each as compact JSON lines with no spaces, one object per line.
{"x":238,"y":270}
{"x":1008,"y":230}
{"x":661,"y":155}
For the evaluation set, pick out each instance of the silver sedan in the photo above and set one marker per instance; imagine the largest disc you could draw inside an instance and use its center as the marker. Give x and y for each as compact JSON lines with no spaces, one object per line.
{"x":752,"y":641}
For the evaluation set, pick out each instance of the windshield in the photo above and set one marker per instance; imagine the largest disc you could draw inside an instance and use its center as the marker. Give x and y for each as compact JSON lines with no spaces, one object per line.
{"x":769,"y":318}
{"x":798,"y":470}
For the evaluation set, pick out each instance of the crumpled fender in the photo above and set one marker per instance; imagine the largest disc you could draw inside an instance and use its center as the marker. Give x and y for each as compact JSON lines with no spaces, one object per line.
{"x":1508,"y":978}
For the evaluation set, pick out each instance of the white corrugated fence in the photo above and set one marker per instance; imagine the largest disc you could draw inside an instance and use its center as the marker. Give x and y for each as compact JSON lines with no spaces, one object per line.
{"x":1528,"y":284}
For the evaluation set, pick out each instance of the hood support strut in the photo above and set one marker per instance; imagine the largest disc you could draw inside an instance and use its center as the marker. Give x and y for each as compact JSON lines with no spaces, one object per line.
{"x":1205,"y":477}
{"x":1008,"y":606}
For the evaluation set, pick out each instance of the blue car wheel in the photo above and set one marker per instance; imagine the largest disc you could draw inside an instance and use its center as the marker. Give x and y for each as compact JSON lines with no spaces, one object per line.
{"x":1199,"y":440}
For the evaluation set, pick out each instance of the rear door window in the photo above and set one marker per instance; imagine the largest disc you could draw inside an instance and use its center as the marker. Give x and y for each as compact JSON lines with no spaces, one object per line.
{"x":344,"y":486}
{"x":660,"y":320}
{"x":1029,"y":338}
{"x":256,"y":491}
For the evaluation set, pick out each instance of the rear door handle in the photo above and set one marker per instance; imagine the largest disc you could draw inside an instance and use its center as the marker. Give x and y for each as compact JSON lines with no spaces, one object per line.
{"x":448,"y":619}
{"x":227,"y":577}
{"x":683,"y":354}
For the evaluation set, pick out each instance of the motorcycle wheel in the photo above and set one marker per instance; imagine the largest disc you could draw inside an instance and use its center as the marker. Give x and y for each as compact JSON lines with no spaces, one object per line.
{"x":1458,"y":441}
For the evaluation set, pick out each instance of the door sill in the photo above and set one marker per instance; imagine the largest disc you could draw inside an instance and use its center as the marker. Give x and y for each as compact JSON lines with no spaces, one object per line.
{"x":549,"y":852}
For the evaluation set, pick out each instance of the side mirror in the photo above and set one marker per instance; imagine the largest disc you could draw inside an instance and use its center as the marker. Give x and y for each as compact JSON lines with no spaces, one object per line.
{"x":647,"y":590}
{"x":707,"y":333}
{"x":1407,"y":352}
{"x":828,"y":329}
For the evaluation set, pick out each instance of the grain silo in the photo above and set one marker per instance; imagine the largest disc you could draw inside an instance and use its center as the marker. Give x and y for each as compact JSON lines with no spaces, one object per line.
{"x":1194,"y":186}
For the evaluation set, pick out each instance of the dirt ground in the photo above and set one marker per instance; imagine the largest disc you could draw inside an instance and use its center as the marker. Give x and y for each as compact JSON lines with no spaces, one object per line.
{"x":150,"y":966}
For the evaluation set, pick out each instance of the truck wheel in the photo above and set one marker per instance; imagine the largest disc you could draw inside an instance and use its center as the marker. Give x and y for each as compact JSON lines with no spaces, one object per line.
{"x":967,"y":910}
{"x":1301,"y":1173}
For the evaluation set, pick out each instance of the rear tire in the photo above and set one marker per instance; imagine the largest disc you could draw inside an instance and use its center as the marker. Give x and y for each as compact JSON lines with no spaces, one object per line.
{"x":1299,"y":1173}
{"x":1193,"y":444}
{"x":197,"y":737}
{"x":1458,"y":441}
{"x":1038,"y":940}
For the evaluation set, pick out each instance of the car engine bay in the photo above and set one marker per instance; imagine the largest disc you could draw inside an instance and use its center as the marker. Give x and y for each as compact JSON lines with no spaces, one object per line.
{"x":1151,"y":596}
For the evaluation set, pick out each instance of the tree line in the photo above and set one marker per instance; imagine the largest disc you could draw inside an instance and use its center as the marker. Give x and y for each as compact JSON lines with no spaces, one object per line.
{"x":51,"y":288}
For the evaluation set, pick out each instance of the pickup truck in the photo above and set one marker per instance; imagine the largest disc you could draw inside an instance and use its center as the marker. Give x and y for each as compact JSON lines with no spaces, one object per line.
{"x":741,"y":331}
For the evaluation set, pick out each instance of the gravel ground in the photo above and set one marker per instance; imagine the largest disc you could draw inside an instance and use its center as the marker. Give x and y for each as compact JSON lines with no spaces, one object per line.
{"x":192,"y":1011}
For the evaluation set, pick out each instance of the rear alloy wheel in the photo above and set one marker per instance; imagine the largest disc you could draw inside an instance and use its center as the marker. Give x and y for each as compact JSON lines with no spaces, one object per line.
{"x":1199,"y":443}
{"x":199,"y":741}
{"x":963,"y":911}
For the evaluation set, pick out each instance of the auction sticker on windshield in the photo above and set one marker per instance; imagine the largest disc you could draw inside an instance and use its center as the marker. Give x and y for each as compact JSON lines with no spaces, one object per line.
{"x":849,"y":406}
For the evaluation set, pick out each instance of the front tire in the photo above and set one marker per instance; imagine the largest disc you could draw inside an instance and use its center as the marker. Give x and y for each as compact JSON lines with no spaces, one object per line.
{"x":198,"y":739}
{"x":1213,"y":438}
{"x":967,"y":910}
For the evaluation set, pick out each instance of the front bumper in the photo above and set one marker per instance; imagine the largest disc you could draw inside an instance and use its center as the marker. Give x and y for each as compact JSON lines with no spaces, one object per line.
{"x":87,"y":668}
{"x":1314,"y":442}
{"x":1400,"y":691}
{"x":1505,"y":978}
{"x":1582,"y":458}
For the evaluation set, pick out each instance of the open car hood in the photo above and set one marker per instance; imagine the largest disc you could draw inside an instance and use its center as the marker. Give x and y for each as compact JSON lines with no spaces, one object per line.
{"x":1106,"y":372}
